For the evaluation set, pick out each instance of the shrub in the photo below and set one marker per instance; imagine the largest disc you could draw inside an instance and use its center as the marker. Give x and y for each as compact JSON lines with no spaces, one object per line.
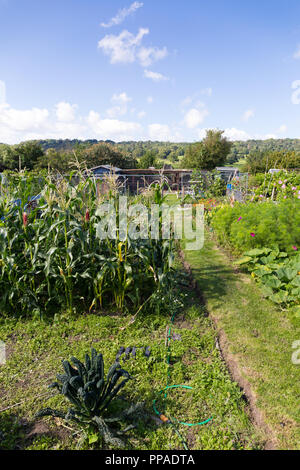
{"x":253,"y":225}
{"x":279,"y":186}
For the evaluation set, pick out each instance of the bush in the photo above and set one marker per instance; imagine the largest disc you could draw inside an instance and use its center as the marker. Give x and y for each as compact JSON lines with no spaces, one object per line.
{"x":251,"y":225}
{"x":279,"y":186}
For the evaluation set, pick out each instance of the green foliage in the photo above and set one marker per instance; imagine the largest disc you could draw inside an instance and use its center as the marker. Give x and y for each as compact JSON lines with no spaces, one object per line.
{"x":278,"y":273}
{"x":148,"y":160}
{"x":241,"y":149}
{"x":106,"y":154}
{"x":53,"y":258}
{"x":278,"y":186}
{"x":253,"y":225}
{"x":91,"y":394}
{"x":208,"y":185}
{"x":60,"y":161}
{"x":21,"y":156}
{"x":209,"y":153}
{"x":56,"y":150}
{"x":259,"y":161}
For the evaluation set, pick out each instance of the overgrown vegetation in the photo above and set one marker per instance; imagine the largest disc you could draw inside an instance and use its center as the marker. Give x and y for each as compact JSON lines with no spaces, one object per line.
{"x":207,"y":185}
{"x":57,"y":253}
{"x":277,"y":186}
{"x":252,"y":225}
{"x":263,"y":161}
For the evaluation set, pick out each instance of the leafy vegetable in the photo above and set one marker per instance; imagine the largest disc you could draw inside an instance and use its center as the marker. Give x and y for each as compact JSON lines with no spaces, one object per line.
{"x":91,"y":392}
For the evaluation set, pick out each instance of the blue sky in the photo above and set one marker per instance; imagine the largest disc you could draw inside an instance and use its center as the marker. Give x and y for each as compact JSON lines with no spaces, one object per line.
{"x":149,"y":69}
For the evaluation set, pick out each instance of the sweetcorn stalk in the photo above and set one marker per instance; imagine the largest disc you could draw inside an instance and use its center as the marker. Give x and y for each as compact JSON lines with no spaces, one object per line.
{"x":53,"y":260}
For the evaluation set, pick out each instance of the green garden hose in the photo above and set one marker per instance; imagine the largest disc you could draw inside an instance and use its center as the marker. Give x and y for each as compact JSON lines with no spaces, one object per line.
{"x":170,"y":420}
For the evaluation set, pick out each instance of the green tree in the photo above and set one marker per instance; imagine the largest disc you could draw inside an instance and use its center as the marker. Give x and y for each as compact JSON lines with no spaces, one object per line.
{"x":106,"y":154}
{"x":209,"y":153}
{"x":260,"y":161}
{"x":28,"y":153}
{"x":148,"y":160}
{"x":24,"y":155}
{"x":55,"y":160}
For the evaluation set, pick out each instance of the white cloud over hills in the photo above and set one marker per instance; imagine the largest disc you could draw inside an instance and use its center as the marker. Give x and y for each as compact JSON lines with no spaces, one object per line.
{"x":64,"y":120}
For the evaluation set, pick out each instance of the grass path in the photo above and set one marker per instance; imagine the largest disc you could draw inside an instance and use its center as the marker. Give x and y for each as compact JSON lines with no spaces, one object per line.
{"x":257,"y":339}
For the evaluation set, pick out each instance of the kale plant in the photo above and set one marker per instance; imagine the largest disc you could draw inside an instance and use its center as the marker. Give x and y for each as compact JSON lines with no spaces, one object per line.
{"x":91,"y":393}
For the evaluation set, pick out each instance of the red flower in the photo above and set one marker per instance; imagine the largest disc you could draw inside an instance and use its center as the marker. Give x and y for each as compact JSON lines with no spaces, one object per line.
{"x":25,"y":219}
{"x":252,"y":234}
{"x":87,"y":216}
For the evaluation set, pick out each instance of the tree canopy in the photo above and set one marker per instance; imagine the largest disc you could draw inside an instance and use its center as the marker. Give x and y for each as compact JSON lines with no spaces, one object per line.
{"x":211,"y":152}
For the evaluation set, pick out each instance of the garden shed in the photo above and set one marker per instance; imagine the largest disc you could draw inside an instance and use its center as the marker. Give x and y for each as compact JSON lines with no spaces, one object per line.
{"x":102,"y":170}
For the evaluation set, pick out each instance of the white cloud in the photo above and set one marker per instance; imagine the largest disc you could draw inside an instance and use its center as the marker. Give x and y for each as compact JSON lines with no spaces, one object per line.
{"x":155,"y":76}
{"x":141,"y":114}
{"x":62,"y":122}
{"x":163,"y":132}
{"x":296,"y":94}
{"x":189,"y":100}
{"x":121,"y":105}
{"x":159,"y":132}
{"x":122,"y":48}
{"x":126,"y":48}
{"x":283,"y":128}
{"x":297,"y":53}
{"x":194,"y":117}
{"x":121,"y":98}
{"x":65,"y":112}
{"x":150,"y":99}
{"x":122,"y":14}
{"x":249,"y":113}
{"x":148,"y":55}
{"x":236,"y":134}
{"x":2,"y":92}
{"x":113,"y":128}
{"x":22,"y":120}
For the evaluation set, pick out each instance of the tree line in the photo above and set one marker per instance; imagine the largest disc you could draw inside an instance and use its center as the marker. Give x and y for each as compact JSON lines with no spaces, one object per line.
{"x":213,"y":151}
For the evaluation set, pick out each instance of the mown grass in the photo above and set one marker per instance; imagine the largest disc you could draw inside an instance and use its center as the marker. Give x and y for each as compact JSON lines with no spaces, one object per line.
{"x":260,"y":337}
{"x":36,"y":349}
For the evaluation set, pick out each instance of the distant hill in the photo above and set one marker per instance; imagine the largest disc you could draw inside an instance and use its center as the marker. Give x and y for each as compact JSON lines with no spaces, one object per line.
{"x":241,"y":149}
{"x":65,"y":145}
{"x":170,"y":152}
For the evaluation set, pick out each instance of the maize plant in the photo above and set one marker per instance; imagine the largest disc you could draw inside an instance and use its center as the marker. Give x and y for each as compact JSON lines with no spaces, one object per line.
{"x":52,"y":259}
{"x":91,"y":392}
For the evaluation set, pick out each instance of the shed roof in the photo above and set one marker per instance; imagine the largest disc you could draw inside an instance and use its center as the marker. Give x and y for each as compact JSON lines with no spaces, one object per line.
{"x":106,"y":167}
